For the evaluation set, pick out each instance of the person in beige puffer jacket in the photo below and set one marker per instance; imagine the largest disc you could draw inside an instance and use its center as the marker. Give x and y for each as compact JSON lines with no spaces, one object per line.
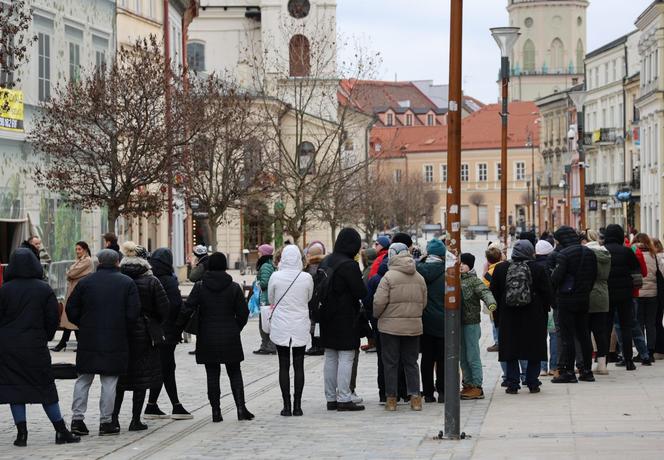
{"x":398,"y":305}
{"x":647,"y":300}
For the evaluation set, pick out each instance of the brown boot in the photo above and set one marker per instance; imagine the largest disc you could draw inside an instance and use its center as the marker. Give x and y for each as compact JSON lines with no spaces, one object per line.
{"x":473,"y":393}
{"x":464,"y":391}
{"x":416,"y":402}
{"x":391,"y":404}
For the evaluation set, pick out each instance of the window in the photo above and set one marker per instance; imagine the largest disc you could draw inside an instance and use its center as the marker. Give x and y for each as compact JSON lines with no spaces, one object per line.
{"x":443,"y":173}
{"x":606,"y":73}
{"x":100,"y":60}
{"x":397,"y":176}
{"x":299,"y":55}
{"x":529,"y":56}
{"x":464,"y":172}
{"x":430,"y":120}
{"x":151,"y":10}
{"x":482,"y":171}
{"x":196,"y":57}
{"x":139,"y":6}
{"x":428,"y":174}
{"x":390,"y":119}
{"x":520,"y":168}
{"x":306,"y":158}
{"x":74,"y":61}
{"x":44,"y":58}
{"x":498,"y":171}
{"x":6,"y":76}
{"x":596,"y":77}
{"x":557,"y":50}
{"x":580,"y":55}
{"x":409,"y":120}
{"x":615,"y":69}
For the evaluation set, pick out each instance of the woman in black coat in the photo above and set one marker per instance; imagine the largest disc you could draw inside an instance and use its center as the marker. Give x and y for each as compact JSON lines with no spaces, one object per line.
{"x":522,"y":329}
{"x":144,"y":370}
{"x":161,"y":262}
{"x":222,"y":314}
{"x":28,"y":320}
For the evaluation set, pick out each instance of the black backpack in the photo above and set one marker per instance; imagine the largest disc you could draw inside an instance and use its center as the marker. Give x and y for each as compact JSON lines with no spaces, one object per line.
{"x":319,"y":302}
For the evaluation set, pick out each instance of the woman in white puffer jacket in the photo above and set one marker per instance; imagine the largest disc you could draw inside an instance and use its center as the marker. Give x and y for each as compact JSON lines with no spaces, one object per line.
{"x":290,"y":290}
{"x":647,"y":300}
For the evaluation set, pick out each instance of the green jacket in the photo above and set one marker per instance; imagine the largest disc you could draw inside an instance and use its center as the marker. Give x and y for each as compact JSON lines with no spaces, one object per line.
{"x":263,"y":279}
{"x":599,"y":296}
{"x":433,"y":318}
{"x":472,"y":291}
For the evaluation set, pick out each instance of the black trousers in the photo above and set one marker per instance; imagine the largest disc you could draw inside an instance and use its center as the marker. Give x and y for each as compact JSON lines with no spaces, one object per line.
{"x":573,"y":324}
{"x":167,"y":356}
{"x":213,"y":372}
{"x":625,"y":310}
{"x":659,"y":327}
{"x":647,"y":314}
{"x":138,"y":398}
{"x":597,"y":323}
{"x":432,"y":357}
{"x":284,"y":372}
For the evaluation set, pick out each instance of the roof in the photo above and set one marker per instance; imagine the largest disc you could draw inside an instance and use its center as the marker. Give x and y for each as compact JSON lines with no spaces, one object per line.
{"x":610,"y":45}
{"x":481,"y":130}
{"x":368,"y":95}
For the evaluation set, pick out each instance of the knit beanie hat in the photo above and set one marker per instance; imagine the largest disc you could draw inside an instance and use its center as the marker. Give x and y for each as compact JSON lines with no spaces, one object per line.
{"x":217,"y":262}
{"x":403,"y":238}
{"x":316,"y":249}
{"x":396,"y":248}
{"x":200,"y":250}
{"x":383,"y":241}
{"x":468,"y":259}
{"x":108,"y":258}
{"x":265,"y":250}
{"x":436,"y":247}
{"x":543,"y":248}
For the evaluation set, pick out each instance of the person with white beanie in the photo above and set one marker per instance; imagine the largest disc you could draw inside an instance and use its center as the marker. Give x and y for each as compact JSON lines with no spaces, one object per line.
{"x":542,"y":251}
{"x":599,"y":300}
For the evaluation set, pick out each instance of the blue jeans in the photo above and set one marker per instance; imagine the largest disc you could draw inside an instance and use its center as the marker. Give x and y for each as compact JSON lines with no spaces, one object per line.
{"x":552,"y":365}
{"x":52,"y":411}
{"x":637,"y":333}
{"x":503,"y":365}
{"x":532,"y":374}
{"x":495,"y":334}
{"x":471,"y":363}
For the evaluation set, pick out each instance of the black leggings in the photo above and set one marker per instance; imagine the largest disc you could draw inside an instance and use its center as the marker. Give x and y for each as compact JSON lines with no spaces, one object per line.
{"x":167,"y":355}
{"x":597,"y":323}
{"x":137,"y":403}
{"x":284,"y":371}
{"x":213,"y":372}
{"x":432,"y":355}
{"x":66,"y":334}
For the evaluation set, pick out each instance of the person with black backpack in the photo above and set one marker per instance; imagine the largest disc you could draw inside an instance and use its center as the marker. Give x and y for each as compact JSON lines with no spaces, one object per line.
{"x":573,"y":278}
{"x":522,"y":290}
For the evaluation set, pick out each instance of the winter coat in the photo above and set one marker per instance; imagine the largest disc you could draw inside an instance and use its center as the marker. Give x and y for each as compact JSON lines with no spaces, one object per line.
{"x":339,"y":321}
{"x":196,"y":273}
{"x":599,"y":296}
{"x":649,"y":288}
{"x":472,"y":291}
{"x":292,"y":288}
{"x":222,"y":314}
{"x":433,"y":318}
{"x":623,"y":265}
{"x":263,"y":278}
{"x":575,"y":262}
{"x":401,"y":298}
{"x":382,"y":254}
{"x":144,"y":370}
{"x":28,"y":320}
{"x":372,"y":286}
{"x":161,"y":262}
{"x":77,"y":271}
{"x":104,"y":306}
{"x":522,"y":330}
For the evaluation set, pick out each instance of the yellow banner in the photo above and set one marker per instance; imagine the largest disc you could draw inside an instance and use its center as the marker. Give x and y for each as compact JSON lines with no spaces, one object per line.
{"x":11,"y":110}
{"x":597,"y":135}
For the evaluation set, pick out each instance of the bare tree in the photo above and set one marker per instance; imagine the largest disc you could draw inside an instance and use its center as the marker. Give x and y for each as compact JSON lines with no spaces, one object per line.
{"x":408,"y":201}
{"x":477,"y":199}
{"x":105,"y":137}
{"x":15,"y":21}
{"x":375,"y":211}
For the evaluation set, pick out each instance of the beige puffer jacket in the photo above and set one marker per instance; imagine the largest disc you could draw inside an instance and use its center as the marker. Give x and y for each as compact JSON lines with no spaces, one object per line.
{"x":649,"y":288}
{"x":400,"y":298}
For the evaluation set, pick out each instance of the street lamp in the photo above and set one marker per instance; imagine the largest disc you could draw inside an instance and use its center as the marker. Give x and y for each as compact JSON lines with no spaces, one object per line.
{"x":505,"y":37}
{"x":578,"y":98}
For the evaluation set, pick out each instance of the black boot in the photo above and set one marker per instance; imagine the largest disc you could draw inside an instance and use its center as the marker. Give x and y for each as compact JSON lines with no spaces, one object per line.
{"x":216,"y":414}
{"x":237,"y":387}
{"x":21,"y":434}
{"x":286,"y":411}
{"x":629,"y":365}
{"x":297,"y":406}
{"x":63,"y":435}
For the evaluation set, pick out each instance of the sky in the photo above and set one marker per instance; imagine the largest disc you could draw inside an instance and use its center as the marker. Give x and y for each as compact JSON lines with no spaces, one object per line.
{"x":412,"y":36}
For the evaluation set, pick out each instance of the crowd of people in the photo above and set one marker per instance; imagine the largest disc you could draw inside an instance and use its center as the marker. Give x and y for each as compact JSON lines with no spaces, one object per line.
{"x":560,"y":303}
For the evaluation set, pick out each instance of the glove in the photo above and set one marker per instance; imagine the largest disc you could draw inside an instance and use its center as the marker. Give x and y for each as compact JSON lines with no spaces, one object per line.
{"x":492,"y":307}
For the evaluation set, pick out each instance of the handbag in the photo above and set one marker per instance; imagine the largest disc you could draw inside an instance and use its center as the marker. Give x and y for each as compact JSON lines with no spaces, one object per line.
{"x":155,"y":331}
{"x":255,"y":300}
{"x":64,"y":371}
{"x":637,"y":280}
{"x":268,"y":310}
{"x":192,"y":324}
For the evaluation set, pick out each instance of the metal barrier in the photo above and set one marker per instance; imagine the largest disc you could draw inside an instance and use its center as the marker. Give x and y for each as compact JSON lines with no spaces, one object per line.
{"x":57,"y":276}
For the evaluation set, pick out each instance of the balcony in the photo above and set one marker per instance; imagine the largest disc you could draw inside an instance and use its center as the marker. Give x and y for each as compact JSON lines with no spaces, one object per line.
{"x":597,"y":190}
{"x":587,"y":138}
{"x":602,"y":136}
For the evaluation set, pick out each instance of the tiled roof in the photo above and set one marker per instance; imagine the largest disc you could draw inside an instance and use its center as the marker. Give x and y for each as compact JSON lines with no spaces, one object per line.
{"x":372,"y":94}
{"x":479,"y":131}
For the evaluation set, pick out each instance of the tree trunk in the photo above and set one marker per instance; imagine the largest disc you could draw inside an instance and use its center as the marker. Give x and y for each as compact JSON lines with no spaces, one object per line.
{"x":212,"y":234}
{"x":333,"y":230}
{"x":112,"y":218}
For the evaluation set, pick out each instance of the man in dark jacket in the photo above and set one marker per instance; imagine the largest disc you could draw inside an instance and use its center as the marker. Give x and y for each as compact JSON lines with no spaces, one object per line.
{"x":339,"y":325}
{"x":103,"y":306}
{"x":573,"y":278}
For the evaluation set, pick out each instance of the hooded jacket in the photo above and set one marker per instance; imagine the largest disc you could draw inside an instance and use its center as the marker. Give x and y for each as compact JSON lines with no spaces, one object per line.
{"x":292,"y":288}
{"x":472,"y":291}
{"x":401,"y":298}
{"x":433,"y":318}
{"x":577,"y":265}
{"x":623,"y":264}
{"x":161,"y":262}
{"x":28,"y":320}
{"x":265,"y":271}
{"x":599,"y":296}
{"x":339,"y":321}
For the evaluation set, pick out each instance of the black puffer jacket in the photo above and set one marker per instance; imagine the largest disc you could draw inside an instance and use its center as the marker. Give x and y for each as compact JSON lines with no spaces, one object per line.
{"x":340,"y":320}
{"x":162,"y":267}
{"x":222,"y":314}
{"x":144,"y":370}
{"x":576,"y":266}
{"x":104,"y":305}
{"x":28,"y":319}
{"x":623,"y":264}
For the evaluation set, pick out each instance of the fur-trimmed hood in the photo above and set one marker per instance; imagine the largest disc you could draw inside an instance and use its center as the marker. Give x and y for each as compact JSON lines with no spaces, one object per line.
{"x":134,"y":267}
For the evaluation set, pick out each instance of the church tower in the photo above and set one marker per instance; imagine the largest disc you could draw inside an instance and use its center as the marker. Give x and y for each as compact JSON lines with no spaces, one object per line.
{"x":549,"y":55}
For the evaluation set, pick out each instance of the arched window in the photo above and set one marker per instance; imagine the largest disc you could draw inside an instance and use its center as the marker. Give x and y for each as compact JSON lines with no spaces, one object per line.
{"x":580,"y":56}
{"x":298,"y":52}
{"x":196,"y":57}
{"x":557,"y":55}
{"x":528,"y":56}
{"x":306,"y":156}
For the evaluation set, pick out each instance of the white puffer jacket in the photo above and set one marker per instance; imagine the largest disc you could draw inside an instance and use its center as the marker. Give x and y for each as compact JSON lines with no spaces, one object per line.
{"x":290,"y":321}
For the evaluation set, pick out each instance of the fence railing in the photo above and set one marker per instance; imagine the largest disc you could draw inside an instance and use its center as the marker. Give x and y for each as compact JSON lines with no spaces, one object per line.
{"x":56,"y":273}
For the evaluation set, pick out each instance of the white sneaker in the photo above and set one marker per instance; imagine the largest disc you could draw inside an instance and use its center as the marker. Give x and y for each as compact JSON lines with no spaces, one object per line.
{"x":355,"y":398}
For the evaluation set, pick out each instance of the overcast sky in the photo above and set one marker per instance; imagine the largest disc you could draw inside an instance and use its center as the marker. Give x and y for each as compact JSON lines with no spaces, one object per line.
{"x":413,"y":36}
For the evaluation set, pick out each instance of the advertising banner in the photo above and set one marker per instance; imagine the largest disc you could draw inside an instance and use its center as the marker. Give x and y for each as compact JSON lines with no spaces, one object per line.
{"x":11,"y":110}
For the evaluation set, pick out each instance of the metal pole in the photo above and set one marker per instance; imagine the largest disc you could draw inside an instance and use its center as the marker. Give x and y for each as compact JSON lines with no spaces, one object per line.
{"x":452,"y":280}
{"x":582,"y":170}
{"x":167,"y":73}
{"x":532,"y":184}
{"x":505,"y":78}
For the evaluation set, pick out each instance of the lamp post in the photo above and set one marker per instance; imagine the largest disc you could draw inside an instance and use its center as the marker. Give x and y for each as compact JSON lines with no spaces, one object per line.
{"x":578,"y":98}
{"x":531,"y":144}
{"x":505,"y":37}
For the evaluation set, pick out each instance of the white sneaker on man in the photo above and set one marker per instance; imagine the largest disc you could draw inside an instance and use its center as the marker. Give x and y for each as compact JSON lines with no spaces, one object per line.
{"x":355,"y":398}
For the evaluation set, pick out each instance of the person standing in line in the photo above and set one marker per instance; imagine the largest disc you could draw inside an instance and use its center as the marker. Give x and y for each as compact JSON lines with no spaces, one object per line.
{"x":523,"y":293}
{"x":659,"y":319}
{"x":647,"y":299}
{"x":372,"y":286}
{"x":315,"y":256}
{"x":28,"y":319}
{"x":265,"y":267}
{"x":339,"y":326}
{"x":381,"y":245}
{"x":161,"y":261}
{"x":222,"y":314}
{"x":548,"y":368}
{"x":290,"y":290}
{"x":104,"y":306}
{"x":432,"y":269}
{"x":111,"y":242}
{"x":78,"y":270}
{"x":599,"y":300}
{"x":200,"y":265}
{"x":493,"y":256}
{"x":398,"y":304}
